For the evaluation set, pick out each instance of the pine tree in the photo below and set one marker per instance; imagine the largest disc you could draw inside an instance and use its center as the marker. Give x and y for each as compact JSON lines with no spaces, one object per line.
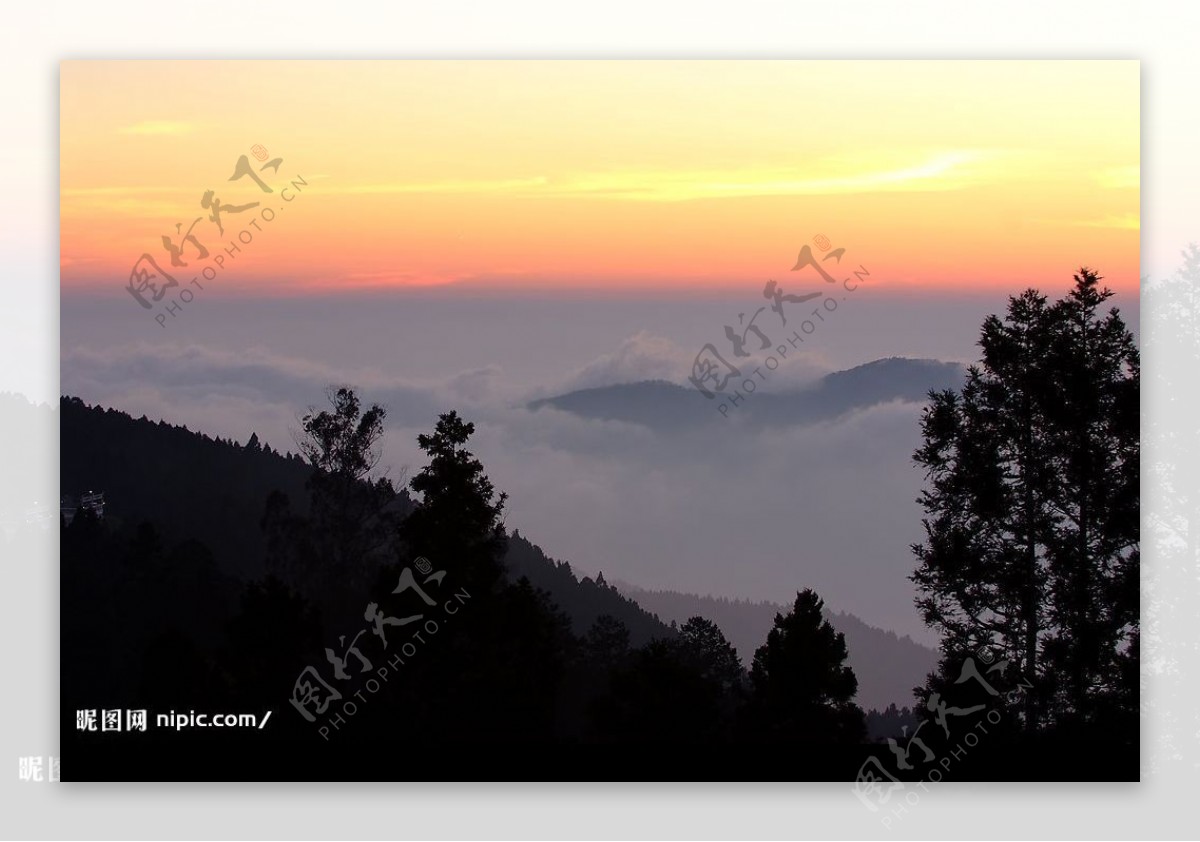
{"x":802,"y":689}
{"x":457,"y":523}
{"x":1094,"y":551}
{"x":1031,"y":527}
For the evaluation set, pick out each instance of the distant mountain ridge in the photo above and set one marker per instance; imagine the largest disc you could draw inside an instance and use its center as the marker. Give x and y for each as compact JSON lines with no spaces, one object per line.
{"x":887,"y":665}
{"x":664,"y":406}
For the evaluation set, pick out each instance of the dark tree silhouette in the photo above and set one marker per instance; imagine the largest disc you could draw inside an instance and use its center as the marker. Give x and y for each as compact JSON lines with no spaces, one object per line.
{"x":457,"y":522}
{"x":267,"y":642}
{"x":342,"y":443}
{"x":705,"y":648}
{"x":892,"y":722}
{"x":606,"y":643}
{"x":348,"y":530}
{"x":1031,"y":508}
{"x":658,"y":696}
{"x":801,"y":688}
{"x":583,"y":600}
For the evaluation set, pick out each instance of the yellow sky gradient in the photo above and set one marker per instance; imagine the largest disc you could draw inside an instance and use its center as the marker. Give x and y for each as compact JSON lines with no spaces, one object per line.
{"x":615,"y":175}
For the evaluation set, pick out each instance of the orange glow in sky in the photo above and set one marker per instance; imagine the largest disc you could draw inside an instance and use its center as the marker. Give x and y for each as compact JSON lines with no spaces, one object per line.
{"x":590,"y":174}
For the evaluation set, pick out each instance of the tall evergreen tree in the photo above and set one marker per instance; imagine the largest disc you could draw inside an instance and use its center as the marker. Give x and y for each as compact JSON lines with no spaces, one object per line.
{"x":457,"y":522}
{"x":502,"y":656}
{"x":1094,"y":551}
{"x":801,"y":687}
{"x":1031,"y":527}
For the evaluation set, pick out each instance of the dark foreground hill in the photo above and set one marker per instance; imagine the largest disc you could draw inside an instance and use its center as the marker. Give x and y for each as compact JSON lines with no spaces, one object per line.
{"x":193,"y":487}
{"x":165,"y":611}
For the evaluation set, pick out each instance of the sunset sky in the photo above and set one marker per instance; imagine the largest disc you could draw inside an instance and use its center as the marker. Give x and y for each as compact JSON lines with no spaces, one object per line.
{"x":626,"y":215}
{"x":622,"y":176}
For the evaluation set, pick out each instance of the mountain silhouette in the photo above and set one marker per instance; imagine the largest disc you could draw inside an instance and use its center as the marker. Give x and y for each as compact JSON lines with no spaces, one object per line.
{"x":665,"y":406}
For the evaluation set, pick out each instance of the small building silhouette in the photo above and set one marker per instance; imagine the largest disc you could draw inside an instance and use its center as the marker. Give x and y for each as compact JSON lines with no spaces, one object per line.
{"x":91,"y":500}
